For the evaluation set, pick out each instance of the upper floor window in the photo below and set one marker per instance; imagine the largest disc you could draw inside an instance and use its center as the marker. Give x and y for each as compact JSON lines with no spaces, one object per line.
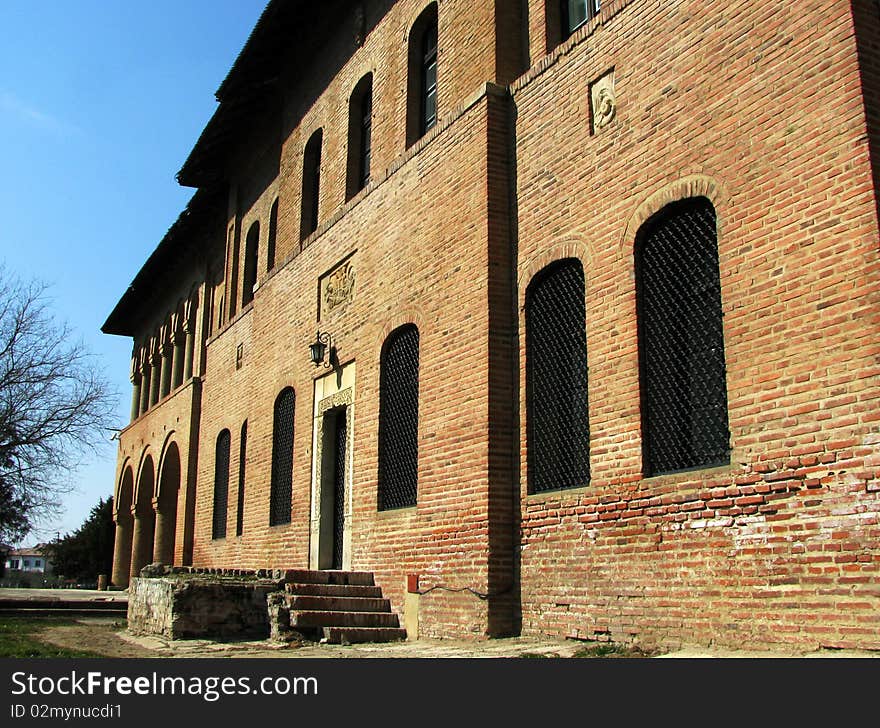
{"x":221,"y":485}
{"x":251,"y":248}
{"x":681,"y":340}
{"x":281,"y":487}
{"x":311,"y":184}
{"x":422,"y":82}
{"x":575,"y":13}
{"x":558,"y":424}
{"x":399,"y":419}
{"x":360,"y":127}
{"x":232,"y":269}
{"x":564,"y":17}
{"x":273,"y":235}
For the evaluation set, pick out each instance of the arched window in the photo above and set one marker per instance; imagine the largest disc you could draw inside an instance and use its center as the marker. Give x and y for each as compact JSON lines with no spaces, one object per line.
{"x":242,"y":459}
{"x":251,"y":248}
{"x":232,"y":267}
{"x":399,"y":419}
{"x":422,"y":72}
{"x":558,"y":423}
{"x":273,"y":234}
{"x":681,"y":340}
{"x":360,"y":125}
{"x":311,"y":184}
{"x":281,"y":490}
{"x":221,"y":485}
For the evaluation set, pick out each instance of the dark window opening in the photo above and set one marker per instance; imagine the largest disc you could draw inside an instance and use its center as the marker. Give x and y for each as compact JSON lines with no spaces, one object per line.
{"x":422,"y":82}
{"x":281,"y":488}
{"x":251,"y":248}
{"x":360,"y":127}
{"x":273,"y":234}
{"x":558,"y":425}
{"x":681,"y":340}
{"x":311,"y":184}
{"x":429,"y":78}
{"x":399,"y":420}
{"x":242,"y":459}
{"x":221,"y":485}
{"x":232,"y":248}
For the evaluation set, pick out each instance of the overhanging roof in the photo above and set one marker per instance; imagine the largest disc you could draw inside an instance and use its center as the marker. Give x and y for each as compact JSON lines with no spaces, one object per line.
{"x":174,"y":247}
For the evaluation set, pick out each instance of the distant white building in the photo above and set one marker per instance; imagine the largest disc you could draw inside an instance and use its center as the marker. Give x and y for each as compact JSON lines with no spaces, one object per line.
{"x":29,"y":559}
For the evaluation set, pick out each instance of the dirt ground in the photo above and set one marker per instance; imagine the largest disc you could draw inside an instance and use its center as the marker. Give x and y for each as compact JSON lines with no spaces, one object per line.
{"x":109,"y":638}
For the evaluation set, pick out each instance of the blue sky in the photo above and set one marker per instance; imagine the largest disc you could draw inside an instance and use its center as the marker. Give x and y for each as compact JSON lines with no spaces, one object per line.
{"x":100,"y":104}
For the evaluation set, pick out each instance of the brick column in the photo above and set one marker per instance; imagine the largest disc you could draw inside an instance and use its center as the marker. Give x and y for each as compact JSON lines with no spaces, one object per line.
{"x":135,"y":395}
{"x":122,"y":550}
{"x":142,"y":539}
{"x":166,"y":526}
{"x":165,"y":382}
{"x":177,"y":343}
{"x":188,"y":355}
{"x":155,"y":375}
{"x":145,"y":385}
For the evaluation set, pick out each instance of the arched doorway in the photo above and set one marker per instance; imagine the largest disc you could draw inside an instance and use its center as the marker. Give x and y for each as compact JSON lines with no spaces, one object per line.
{"x":124,"y":529}
{"x":166,"y":512}
{"x":144,"y":518}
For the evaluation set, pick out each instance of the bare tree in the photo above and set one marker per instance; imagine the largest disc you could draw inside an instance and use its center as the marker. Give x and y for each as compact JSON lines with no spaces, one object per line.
{"x":55,"y":407}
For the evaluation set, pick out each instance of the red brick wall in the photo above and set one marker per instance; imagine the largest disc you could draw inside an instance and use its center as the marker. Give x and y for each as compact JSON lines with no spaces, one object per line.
{"x":781,"y":547}
{"x":430,"y":269}
{"x":758,"y":108}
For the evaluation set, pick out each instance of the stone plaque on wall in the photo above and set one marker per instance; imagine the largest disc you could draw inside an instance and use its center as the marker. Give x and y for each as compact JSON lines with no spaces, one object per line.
{"x":603,"y":102}
{"x":337,"y":287}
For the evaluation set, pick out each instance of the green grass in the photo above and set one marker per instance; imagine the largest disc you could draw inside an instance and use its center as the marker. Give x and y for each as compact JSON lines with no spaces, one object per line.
{"x":609,"y":649}
{"x":597,"y":649}
{"x":20,"y":637}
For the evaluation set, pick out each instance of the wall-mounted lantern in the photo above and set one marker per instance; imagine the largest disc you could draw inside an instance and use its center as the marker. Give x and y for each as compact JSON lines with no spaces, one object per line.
{"x":321,"y":347}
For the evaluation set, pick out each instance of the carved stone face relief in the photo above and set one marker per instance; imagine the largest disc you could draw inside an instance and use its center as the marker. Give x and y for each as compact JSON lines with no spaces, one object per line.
{"x":603,"y":101}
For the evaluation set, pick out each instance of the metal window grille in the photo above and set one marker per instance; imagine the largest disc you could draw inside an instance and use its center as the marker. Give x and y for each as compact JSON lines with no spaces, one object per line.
{"x":681,"y":341}
{"x":281,"y":488}
{"x":339,"y":487}
{"x":399,"y":420}
{"x":221,"y":485}
{"x":558,"y":426}
{"x":242,"y":459}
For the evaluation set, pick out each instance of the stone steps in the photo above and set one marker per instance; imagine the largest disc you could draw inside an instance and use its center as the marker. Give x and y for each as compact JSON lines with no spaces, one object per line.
{"x":333,"y":590}
{"x":334,"y":618}
{"x":327,"y":576}
{"x":359,"y":635}
{"x":302,"y":603}
{"x":342,"y":607}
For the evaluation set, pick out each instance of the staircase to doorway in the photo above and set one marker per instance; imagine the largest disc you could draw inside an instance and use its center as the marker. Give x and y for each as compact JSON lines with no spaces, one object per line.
{"x":340,"y":607}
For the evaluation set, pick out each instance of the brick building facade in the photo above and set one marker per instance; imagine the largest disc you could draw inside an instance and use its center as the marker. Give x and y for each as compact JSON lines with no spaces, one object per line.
{"x":601,"y":290}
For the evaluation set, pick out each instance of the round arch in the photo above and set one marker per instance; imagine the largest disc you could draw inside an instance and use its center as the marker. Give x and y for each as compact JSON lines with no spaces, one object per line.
{"x":166,"y":504}
{"x":122,"y":502}
{"x":144,"y":516}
